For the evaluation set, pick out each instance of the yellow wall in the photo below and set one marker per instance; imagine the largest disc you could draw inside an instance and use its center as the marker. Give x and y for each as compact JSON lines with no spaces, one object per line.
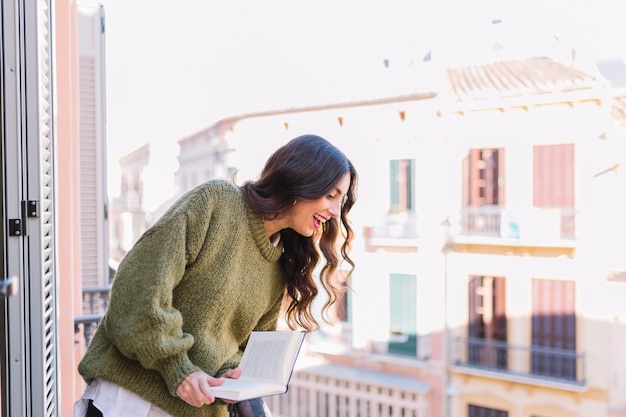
{"x":523,"y":400}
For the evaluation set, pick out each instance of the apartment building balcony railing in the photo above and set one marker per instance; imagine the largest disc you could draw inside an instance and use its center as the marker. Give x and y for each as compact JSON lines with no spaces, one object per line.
{"x":130,"y":201}
{"x":538,"y":364}
{"x":343,"y":391}
{"x":86,"y":327}
{"x":95,"y":303}
{"x":96,"y":299}
{"x":394,"y":229}
{"x":534,"y":226}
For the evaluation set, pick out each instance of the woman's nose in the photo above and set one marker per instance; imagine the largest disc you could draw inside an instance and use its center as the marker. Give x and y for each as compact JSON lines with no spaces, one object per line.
{"x":335,"y":209}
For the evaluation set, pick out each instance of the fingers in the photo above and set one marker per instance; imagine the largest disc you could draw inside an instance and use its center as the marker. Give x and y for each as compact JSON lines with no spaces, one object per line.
{"x":233,"y":373}
{"x":195,"y":389}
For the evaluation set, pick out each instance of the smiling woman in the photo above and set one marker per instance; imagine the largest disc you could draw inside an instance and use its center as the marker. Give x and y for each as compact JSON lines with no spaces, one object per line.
{"x":305,"y":192}
{"x":220,"y":263}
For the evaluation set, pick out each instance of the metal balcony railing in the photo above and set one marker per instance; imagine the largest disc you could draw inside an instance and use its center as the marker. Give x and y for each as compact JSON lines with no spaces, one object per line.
{"x":86,"y":325}
{"x":547,"y":224}
{"x":95,"y":303}
{"x":538,"y":362}
{"x":96,"y":299}
{"x":393,"y":229}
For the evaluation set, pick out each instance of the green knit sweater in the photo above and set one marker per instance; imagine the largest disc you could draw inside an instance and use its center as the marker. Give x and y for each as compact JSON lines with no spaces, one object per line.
{"x":186,"y":297}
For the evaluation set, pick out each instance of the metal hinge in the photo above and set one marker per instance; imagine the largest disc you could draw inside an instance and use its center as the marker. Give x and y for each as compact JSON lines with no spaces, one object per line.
{"x":30,"y":208}
{"x":17,"y":227}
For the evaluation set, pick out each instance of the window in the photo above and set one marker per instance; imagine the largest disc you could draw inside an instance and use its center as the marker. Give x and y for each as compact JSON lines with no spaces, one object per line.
{"x":402,"y":176}
{"x":554,"y":329}
{"x":92,"y":150}
{"x":487,"y":322}
{"x":553,"y":185}
{"x":484,"y":177}
{"x":475,"y":411}
{"x":483,"y":192}
{"x":553,"y":176}
{"x":402,"y":314}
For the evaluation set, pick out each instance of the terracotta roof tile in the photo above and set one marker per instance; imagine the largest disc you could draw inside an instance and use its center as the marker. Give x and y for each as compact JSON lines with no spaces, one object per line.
{"x":538,"y":75}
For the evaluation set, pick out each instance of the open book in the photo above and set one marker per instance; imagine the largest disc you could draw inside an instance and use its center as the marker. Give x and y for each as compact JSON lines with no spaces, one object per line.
{"x":266,"y":366}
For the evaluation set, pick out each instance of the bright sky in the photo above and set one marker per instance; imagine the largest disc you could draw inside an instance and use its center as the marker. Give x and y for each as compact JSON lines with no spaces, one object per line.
{"x":174,"y":68}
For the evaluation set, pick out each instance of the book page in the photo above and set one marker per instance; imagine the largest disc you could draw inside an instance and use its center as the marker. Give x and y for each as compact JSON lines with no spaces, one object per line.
{"x":267,"y":357}
{"x":266,"y":365}
{"x":239,"y":385}
{"x":237,"y":389}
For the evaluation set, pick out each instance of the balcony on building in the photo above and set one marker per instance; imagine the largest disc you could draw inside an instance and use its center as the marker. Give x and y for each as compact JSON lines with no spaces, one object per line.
{"x":393,"y":230}
{"x":535,"y":365}
{"x":498,"y":225}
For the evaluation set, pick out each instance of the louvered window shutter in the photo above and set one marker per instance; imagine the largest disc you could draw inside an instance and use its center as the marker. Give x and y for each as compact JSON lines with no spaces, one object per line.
{"x":553,"y":176}
{"x":485,"y":177}
{"x":29,"y":319}
{"x":93,"y":204}
{"x":554,"y":326}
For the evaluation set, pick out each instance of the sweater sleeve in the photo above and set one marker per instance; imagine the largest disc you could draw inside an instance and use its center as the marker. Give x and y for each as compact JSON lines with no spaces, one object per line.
{"x":141,"y":321}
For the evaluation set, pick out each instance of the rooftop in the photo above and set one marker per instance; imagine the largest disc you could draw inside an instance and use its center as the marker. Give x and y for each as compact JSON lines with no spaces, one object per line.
{"x":514,"y":78}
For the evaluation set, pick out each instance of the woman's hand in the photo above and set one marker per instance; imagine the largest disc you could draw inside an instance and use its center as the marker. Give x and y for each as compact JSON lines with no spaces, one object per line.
{"x":234,"y":374}
{"x":195,"y":389}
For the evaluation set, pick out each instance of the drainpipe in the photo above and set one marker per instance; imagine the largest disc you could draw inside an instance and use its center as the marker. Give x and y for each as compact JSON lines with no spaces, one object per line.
{"x":447,"y":387}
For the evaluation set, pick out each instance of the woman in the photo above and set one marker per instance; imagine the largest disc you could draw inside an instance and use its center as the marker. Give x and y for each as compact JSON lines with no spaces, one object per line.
{"x":218,"y":265}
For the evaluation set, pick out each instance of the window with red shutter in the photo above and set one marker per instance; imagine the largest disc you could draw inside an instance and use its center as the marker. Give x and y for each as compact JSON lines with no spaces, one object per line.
{"x":553,"y":329}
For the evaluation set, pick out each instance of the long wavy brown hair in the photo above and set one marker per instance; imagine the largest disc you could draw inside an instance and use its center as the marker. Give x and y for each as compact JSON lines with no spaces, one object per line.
{"x":307,"y":168}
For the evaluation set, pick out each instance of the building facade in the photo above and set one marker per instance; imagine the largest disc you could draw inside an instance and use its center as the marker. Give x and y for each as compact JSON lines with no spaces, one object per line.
{"x":483,"y":220}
